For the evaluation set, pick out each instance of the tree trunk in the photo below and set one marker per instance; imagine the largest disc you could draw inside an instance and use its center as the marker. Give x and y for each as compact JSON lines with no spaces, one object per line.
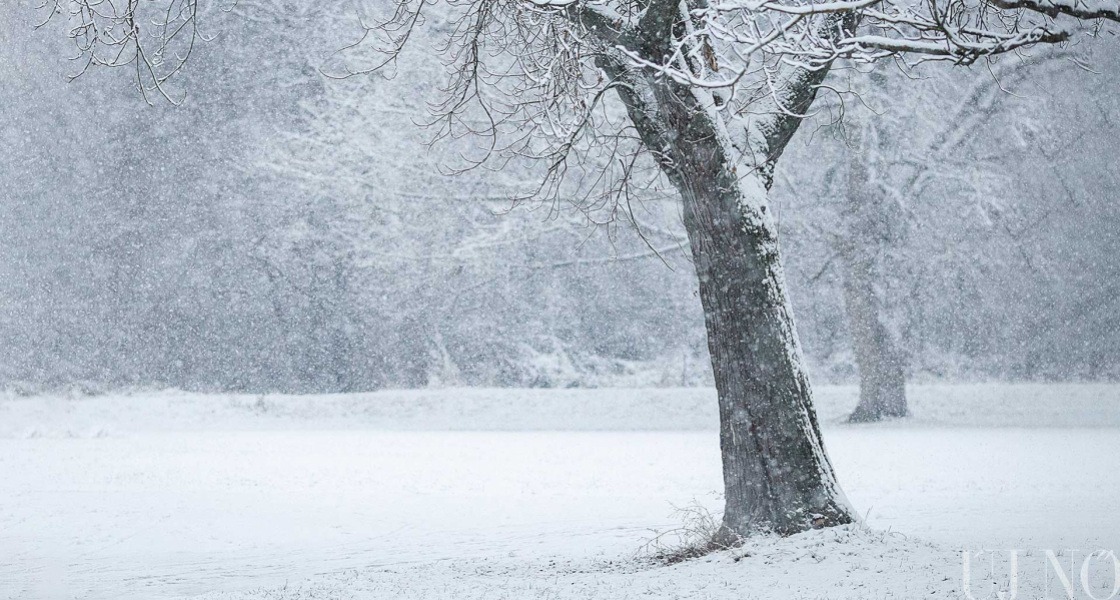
{"x":777,"y":476}
{"x":882,"y":378}
{"x":776,"y":473}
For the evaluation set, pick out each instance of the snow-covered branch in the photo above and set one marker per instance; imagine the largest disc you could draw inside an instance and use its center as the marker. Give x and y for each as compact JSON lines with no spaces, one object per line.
{"x":155,"y":37}
{"x":1081,"y":9}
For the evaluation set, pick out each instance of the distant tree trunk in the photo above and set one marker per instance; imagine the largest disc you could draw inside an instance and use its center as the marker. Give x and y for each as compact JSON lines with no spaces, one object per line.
{"x":882,"y":378}
{"x":411,"y":356}
{"x":777,"y":476}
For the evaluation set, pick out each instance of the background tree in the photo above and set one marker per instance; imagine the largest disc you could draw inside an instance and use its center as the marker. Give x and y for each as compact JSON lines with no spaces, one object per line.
{"x":869,"y":226}
{"x":885,"y":164}
{"x":948,"y":199}
{"x":248,"y":205}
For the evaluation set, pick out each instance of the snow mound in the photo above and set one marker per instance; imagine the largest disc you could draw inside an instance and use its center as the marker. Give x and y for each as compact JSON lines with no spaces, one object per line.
{"x":848,"y":562}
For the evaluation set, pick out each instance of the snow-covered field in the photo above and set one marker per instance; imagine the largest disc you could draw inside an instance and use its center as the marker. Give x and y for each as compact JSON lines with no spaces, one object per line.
{"x":523,"y":494}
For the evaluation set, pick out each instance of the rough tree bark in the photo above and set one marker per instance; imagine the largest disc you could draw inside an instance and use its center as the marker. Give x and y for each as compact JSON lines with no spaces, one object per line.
{"x":777,"y":476}
{"x":882,"y":378}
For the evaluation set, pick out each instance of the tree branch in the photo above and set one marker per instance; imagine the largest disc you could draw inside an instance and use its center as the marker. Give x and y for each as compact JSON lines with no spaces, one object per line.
{"x":1081,"y":9}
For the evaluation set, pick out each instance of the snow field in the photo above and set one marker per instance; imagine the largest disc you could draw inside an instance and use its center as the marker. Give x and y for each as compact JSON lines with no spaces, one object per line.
{"x":607,"y":409}
{"x":306,"y":500}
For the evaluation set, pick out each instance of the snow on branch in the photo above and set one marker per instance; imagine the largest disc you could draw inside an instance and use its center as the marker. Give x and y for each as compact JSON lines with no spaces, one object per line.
{"x":155,"y":37}
{"x":1081,"y":9}
{"x":530,"y":78}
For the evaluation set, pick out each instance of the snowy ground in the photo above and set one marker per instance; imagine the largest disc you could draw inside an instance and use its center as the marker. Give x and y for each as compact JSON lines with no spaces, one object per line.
{"x":522,"y":494}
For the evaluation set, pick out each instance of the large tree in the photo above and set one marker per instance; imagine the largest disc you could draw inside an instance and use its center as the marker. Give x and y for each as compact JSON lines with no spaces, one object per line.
{"x":712,"y":92}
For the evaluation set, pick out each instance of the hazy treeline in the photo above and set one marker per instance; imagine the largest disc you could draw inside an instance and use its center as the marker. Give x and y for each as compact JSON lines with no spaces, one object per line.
{"x":285,"y":230}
